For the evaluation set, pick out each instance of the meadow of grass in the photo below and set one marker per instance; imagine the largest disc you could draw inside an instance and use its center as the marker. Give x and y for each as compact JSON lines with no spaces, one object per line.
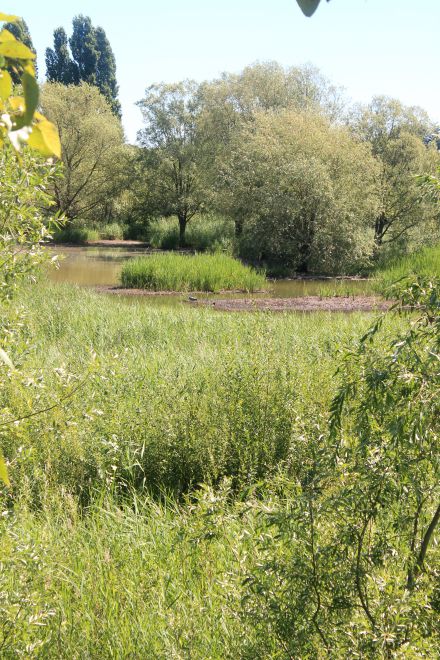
{"x":108,"y":549}
{"x":200,"y":272}
{"x":173,"y":398}
{"x":425,"y":262}
{"x":155,"y":503}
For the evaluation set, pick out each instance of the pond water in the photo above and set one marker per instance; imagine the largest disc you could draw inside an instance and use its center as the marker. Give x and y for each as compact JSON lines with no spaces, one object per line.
{"x":90,"y":266}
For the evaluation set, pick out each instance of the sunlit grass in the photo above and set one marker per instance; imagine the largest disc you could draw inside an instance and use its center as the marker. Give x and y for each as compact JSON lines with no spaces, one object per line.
{"x":426,"y":262}
{"x":201,"y":272}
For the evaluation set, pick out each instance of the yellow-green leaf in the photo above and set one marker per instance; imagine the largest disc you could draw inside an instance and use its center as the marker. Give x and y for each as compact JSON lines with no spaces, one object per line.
{"x":17,"y":103}
{"x":31,"y":95}
{"x":5,"y":85}
{"x":4,"y":472}
{"x":16,"y":50}
{"x":308,"y":6}
{"x":5,"y":35}
{"x":8,"y":18}
{"x":4,"y":357}
{"x":44,"y":138}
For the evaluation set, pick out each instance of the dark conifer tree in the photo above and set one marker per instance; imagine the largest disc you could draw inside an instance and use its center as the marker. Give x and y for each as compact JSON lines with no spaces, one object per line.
{"x":106,"y":71}
{"x":21,"y":32}
{"x":59,"y":65}
{"x":91,"y":60}
{"x":83,"y":48}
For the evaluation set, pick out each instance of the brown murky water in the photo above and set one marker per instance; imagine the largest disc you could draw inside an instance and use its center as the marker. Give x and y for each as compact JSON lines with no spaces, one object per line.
{"x":89,"y":266}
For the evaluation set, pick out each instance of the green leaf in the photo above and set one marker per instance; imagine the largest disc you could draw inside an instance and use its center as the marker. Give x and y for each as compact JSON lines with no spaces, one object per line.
{"x":4,"y":357}
{"x":16,"y":50}
{"x":4,"y":472}
{"x":44,"y":138}
{"x":308,"y":6}
{"x":5,"y":85}
{"x":31,"y":96}
{"x":8,"y":18}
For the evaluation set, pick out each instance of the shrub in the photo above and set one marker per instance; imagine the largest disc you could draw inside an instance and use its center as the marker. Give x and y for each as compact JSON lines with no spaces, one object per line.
{"x":112,"y":232}
{"x":204,"y":233}
{"x":77,"y":234}
{"x":349,"y":566}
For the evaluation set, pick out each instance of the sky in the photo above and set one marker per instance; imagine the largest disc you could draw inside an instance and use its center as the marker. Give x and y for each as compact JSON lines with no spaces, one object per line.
{"x":369,"y":47}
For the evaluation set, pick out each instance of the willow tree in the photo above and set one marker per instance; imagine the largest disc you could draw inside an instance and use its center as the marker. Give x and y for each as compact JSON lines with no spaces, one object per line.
{"x":94,"y":156}
{"x":397,"y":135}
{"x":172,"y":153}
{"x":303,"y":192}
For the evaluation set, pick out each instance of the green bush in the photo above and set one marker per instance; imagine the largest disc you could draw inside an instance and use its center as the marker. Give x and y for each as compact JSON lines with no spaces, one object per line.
{"x":174,"y":272}
{"x":73,"y":234}
{"x":112,"y":232}
{"x":135,"y":231}
{"x":204,"y":233}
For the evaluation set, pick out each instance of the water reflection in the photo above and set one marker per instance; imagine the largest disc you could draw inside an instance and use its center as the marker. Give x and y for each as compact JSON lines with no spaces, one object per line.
{"x":102,"y":267}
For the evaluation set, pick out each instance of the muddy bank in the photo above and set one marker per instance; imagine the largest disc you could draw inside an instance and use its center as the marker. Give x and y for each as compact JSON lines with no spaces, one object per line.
{"x":296,"y":304}
{"x":303,"y":304}
{"x":192,"y":296}
{"x":121,"y":291}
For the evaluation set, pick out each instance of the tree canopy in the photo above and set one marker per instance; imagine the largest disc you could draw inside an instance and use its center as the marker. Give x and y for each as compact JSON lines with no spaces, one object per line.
{"x":301,"y":191}
{"x":94,"y":155}
{"x":397,"y":135}
{"x":172,"y":151}
{"x":90,"y":59}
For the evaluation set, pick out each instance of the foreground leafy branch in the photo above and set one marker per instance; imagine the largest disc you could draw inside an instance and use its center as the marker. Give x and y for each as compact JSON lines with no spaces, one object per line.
{"x":23,"y":192}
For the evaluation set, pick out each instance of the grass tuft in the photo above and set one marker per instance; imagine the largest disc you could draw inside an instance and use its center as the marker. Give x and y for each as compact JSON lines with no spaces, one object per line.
{"x":426,"y":262}
{"x":175,"y":272}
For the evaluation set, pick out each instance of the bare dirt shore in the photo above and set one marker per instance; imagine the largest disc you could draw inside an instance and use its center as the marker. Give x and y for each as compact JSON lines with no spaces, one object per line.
{"x":303,"y":304}
{"x":300,"y":304}
{"x":121,"y":291}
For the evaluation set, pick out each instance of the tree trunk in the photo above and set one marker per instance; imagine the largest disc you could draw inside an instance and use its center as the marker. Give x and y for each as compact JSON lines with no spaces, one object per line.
{"x":238,"y":228}
{"x":379,"y":228}
{"x":304,"y":258}
{"x":182,"y":229}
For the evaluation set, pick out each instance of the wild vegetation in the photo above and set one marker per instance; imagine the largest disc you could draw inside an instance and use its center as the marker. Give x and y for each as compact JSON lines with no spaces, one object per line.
{"x":425,"y":262}
{"x":201,"y":272}
{"x":164,"y":401}
{"x":183,"y":483}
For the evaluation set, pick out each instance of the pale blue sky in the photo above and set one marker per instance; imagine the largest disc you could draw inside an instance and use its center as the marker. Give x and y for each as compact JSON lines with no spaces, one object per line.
{"x":367,"y":46}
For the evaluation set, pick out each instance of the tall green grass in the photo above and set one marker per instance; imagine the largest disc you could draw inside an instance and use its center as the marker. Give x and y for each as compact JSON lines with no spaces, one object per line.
{"x":109,"y":546}
{"x":173,"y":398}
{"x":142,"y":580}
{"x":201,"y":272}
{"x":78,"y":235}
{"x":426,"y":262}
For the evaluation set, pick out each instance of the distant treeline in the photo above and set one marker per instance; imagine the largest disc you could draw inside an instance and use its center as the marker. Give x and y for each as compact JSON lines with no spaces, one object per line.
{"x":310,"y":182}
